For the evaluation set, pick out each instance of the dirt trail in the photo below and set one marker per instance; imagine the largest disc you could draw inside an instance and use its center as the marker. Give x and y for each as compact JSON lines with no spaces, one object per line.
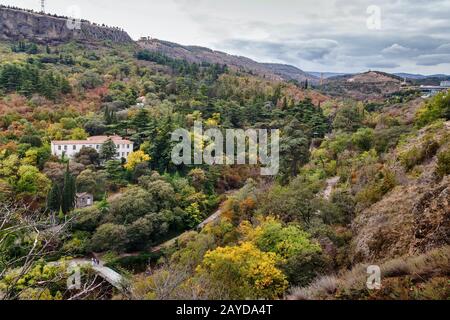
{"x":331,"y":184}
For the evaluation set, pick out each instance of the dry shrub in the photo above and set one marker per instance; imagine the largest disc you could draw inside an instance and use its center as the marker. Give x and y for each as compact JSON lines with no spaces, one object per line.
{"x":319,"y":289}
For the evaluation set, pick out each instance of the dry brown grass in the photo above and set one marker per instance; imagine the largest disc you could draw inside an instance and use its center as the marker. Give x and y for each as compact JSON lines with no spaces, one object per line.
{"x":416,"y":272}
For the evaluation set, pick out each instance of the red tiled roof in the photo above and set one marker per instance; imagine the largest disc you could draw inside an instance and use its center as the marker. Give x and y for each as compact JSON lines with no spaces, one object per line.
{"x":95,"y":140}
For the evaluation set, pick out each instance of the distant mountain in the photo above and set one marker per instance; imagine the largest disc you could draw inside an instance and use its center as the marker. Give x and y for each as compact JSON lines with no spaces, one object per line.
{"x":410,"y":75}
{"x":289,"y":72}
{"x":421,"y":76}
{"x":368,"y":77}
{"x":371,"y":85}
{"x":326,"y":75}
{"x":196,"y":54}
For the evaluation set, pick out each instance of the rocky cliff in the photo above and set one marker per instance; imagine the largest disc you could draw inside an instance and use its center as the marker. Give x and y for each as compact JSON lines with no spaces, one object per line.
{"x":18,"y":24}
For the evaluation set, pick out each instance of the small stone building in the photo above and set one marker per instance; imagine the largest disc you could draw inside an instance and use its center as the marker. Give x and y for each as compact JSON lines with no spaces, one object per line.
{"x":84,"y":200}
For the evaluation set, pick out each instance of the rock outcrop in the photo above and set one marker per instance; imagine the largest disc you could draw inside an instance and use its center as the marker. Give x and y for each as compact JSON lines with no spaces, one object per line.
{"x":18,"y":25}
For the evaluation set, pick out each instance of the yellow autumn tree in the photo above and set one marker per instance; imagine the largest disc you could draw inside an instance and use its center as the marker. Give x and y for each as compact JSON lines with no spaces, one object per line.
{"x":135,"y":158}
{"x":244,"y":271}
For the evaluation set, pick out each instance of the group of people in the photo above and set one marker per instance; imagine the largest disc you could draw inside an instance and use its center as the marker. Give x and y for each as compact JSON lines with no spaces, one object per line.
{"x":94,"y":260}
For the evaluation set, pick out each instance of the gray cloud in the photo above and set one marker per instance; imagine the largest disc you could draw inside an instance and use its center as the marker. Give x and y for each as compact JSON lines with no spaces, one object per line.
{"x":396,"y":49}
{"x":433,"y":59}
{"x":383,"y":65}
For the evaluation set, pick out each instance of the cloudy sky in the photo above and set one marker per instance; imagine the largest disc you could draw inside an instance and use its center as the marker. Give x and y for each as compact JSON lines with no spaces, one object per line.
{"x":320,"y":35}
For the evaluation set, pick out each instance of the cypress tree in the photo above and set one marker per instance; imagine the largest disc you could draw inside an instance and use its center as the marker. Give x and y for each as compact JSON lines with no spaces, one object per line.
{"x":54,"y":198}
{"x":69,"y":192}
{"x":107,"y":116}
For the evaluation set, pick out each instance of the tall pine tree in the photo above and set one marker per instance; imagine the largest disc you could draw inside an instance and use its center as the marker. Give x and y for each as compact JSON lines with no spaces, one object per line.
{"x":69,"y":192}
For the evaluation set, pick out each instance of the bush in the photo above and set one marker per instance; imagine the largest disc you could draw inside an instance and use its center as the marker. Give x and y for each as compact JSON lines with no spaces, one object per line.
{"x":90,"y":80}
{"x":418,"y":154}
{"x":443,"y":167}
{"x":349,"y":118}
{"x":135,"y":264}
{"x":243,"y":272}
{"x":436,"y":108}
{"x":109,"y":237}
{"x":374,"y":192}
{"x":87,"y":219}
{"x":345,"y":207}
{"x":386,"y":139}
{"x":363,"y":139}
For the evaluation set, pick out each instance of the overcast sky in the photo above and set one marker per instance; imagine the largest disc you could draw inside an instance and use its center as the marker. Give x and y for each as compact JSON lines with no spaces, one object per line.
{"x":319,"y":35}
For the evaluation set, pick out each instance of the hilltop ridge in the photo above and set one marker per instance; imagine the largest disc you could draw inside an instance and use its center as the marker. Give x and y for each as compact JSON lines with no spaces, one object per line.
{"x":196,"y":54}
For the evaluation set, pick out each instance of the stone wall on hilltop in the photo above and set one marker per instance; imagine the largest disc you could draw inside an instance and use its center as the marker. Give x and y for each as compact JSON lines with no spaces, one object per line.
{"x":18,"y":24}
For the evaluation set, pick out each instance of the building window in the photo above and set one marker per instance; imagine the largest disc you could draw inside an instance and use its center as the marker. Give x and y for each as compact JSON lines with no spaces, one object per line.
{"x":97,"y":146}
{"x":74,"y":147}
{"x":65,"y":148}
{"x":59,"y":147}
{"x":128,"y":146}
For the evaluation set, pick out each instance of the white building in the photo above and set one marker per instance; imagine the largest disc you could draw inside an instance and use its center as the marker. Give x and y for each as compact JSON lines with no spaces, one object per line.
{"x":445,"y":84}
{"x":71,"y":147}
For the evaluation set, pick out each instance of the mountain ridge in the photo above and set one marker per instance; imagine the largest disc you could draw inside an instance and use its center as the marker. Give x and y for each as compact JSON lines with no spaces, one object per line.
{"x":198,"y":54}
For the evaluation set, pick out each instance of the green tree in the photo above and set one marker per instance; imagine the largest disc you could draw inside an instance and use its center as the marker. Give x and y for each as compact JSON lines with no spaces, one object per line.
{"x":87,"y":156}
{"x":108,"y":150}
{"x":54,"y":198}
{"x":68,"y":192}
{"x":363,"y":139}
{"x":93,"y":182}
{"x":32,"y":181}
{"x":349,"y":118}
{"x":109,"y":237}
{"x":294,"y":150}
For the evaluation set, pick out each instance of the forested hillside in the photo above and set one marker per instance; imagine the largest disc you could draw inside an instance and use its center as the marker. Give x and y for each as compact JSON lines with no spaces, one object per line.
{"x":360,"y":182}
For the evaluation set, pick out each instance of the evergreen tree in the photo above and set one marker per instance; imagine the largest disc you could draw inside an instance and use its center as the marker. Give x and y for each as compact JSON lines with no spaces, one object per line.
{"x":54,"y":198}
{"x":69,"y":192}
{"x":107,"y":116}
{"x":108,"y":150}
{"x":285,"y":104}
{"x":294,"y":150}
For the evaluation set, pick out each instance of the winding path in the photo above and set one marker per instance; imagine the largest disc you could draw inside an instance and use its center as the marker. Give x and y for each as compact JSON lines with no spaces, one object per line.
{"x":211,"y":219}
